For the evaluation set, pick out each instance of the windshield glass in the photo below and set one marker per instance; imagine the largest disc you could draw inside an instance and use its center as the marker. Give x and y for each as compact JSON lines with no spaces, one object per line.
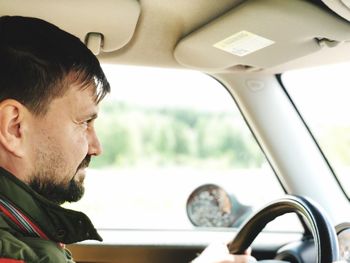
{"x":322,"y":95}
{"x":167,"y":134}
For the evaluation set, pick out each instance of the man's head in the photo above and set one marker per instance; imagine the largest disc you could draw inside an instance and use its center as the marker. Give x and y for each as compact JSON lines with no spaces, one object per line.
{"x":50,"y":87}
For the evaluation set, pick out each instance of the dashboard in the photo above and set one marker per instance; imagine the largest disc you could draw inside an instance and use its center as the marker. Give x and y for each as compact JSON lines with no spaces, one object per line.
{"x":304,"y":251}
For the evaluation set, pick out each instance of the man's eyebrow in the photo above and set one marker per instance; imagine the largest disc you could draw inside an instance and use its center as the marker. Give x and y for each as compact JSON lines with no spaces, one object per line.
{"x":90,"y":116}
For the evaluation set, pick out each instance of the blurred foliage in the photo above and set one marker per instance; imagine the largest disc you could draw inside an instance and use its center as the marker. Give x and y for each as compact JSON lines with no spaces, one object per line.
{"x":133,"y":135}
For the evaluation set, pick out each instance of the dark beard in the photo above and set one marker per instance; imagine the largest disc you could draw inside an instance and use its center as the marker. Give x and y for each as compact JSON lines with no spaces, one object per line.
{"x":60,"y":193}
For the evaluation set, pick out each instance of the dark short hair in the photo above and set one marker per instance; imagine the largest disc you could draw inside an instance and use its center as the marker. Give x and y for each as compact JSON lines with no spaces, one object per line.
{"x":37,"y":57}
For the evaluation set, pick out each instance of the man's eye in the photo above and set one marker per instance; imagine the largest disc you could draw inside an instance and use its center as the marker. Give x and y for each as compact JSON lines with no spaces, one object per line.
{"x":87,"y":122}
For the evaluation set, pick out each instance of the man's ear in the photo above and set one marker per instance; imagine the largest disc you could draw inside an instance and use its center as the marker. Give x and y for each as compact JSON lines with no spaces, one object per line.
{"x":12,"y":115}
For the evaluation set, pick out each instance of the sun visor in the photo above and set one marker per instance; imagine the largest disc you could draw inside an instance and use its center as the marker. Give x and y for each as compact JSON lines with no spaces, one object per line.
{"x":255,"y":36}
{"x":105,"y":26}
{"x":340,"y":7}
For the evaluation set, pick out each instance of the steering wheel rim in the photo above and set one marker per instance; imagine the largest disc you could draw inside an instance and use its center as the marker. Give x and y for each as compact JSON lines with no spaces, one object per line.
{"x":324,"y":234}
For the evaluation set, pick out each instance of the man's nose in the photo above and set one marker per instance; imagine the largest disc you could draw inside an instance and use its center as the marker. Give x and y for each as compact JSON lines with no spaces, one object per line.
{"x":95,"y":147}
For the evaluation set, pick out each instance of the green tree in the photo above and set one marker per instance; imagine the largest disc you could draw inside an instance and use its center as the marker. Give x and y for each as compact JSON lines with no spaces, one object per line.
{"x":132,"y":134}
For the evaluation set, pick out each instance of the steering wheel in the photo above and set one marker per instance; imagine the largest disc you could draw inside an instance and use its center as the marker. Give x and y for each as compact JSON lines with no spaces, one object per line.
{"x":324,"y":234}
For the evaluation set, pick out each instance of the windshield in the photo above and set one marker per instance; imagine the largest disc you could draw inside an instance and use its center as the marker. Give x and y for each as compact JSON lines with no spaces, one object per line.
{"x":322,"y":95}
{"x":166,"y":134}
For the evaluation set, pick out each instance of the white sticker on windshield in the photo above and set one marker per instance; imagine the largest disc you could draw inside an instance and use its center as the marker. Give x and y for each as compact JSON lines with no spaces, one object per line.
{"x":243,"y":43}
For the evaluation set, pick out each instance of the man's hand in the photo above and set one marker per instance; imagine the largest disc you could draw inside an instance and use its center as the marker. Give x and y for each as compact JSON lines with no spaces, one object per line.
{"x":218,"y":253}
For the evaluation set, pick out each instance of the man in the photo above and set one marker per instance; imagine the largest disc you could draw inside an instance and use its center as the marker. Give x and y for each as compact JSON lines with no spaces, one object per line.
{"x":50,"y":88}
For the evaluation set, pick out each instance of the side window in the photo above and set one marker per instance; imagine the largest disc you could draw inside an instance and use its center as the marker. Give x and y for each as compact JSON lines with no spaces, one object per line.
{"x":177,"y":154}
{"x":322,"y":97}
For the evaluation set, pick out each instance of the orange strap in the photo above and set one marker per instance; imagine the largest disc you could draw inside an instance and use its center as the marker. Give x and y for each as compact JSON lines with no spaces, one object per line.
{"x":8,"y":260}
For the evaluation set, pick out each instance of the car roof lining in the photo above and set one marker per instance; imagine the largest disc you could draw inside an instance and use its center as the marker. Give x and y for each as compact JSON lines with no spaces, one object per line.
{"x":104,"y":21}
{"x":175,"y":23}
{"x":183,"y":36}
{"x":186,"y":42}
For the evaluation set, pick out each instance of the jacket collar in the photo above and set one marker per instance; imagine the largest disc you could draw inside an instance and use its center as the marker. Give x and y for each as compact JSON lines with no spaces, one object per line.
{"x":57,"y":223}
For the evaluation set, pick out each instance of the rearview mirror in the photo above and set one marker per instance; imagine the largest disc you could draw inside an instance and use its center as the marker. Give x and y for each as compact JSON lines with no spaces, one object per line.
{"x":210,"y":205}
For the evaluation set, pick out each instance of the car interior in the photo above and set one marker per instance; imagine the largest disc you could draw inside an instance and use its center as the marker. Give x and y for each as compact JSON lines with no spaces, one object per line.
{"x":252,"y":48}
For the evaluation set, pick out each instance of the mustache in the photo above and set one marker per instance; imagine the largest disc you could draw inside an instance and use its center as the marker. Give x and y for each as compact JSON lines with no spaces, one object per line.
{"x":85,"y":163}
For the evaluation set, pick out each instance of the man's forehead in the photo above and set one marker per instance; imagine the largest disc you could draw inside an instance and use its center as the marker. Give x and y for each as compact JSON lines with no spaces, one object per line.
{"x":78,"y":99}
{"x":87,"y":99}
{"x":81,"y":81}
{"x":87,"y":91}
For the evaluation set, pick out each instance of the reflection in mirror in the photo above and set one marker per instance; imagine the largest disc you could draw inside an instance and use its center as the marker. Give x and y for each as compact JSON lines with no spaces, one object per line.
{"x":343,"y":232}
{"x":211,"y":206}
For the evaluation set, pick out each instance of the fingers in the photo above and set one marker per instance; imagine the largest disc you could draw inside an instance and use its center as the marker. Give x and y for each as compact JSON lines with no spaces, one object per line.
{"x":248,"y":251}
{"x":243,"y":259}
{"x":218,"y":253}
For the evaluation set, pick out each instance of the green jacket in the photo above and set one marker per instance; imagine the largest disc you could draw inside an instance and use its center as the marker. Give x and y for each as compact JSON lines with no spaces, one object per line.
{"x":33,"y":229}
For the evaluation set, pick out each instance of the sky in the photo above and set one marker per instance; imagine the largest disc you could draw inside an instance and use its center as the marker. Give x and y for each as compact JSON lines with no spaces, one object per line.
{"x":321,"y":93}
{"x":172,"y":87}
